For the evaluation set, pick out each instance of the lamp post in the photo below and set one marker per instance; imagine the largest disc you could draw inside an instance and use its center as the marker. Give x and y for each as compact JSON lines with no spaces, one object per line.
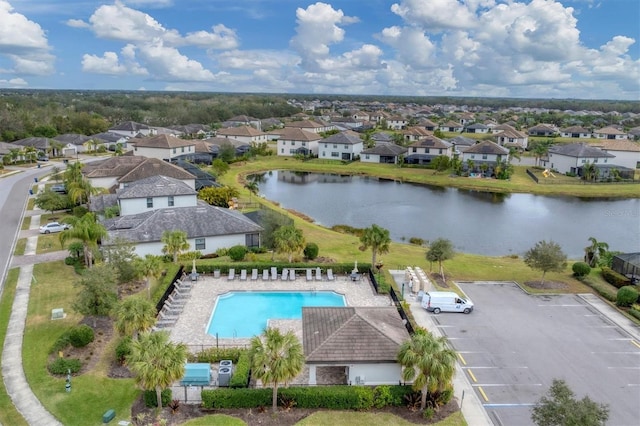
{"x":67,"y":385}
{"x":403,"y":290}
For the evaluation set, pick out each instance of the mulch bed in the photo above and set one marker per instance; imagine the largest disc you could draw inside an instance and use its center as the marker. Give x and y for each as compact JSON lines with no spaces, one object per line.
{"x":547,"y":285}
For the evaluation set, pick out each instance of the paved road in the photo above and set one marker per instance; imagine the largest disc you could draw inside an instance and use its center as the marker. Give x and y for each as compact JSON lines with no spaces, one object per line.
{"x":514,"y":344}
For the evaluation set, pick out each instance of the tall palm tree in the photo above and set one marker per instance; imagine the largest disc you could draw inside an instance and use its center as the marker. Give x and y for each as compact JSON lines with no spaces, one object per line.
{"x":289,"y":240}
{"x":157,"y":362}
{"x":175,"y":242}
{"x":30,"y":153}
{"x":149,"y":267}
{"x":81,"y":190}
{"x":135,"y":315}
{"x":376,"y":238}
{"x":252,"y":187}
{"x":276,"y":358}
{"x":88,"y":231}
{"x":589,"y":172}
{"x":428,"y":362}
{"x":595,"y":251}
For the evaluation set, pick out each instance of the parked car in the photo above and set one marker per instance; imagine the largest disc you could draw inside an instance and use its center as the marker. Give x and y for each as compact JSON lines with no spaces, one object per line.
{"x":54,"y":227}
{"x":446,"y":301}
{"x":60,"y":189}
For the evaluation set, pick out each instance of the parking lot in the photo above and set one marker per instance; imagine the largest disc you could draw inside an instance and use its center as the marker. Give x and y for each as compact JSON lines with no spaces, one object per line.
{"x":513,"y":345}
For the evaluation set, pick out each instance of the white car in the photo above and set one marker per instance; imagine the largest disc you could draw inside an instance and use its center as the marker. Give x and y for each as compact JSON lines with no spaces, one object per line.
{"x":54,"y":227}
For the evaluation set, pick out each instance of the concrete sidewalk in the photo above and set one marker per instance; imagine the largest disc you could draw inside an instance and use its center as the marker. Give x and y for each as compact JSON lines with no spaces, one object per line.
{"x":470,"y":405}
{"x":13,"y":375}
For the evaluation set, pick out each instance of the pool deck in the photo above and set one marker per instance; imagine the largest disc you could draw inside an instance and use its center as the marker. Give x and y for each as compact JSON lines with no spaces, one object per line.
{"x":191,"y":326}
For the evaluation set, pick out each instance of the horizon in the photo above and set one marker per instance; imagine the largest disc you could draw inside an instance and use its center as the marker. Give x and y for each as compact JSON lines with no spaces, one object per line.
{"x":520,"y":49}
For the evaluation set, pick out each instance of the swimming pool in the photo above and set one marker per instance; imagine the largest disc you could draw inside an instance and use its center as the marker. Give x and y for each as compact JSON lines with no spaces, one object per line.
{"x":245,"y":313}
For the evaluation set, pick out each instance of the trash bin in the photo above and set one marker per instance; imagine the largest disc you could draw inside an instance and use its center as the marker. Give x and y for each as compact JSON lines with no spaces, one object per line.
{"x":31,"y":192}
{"x":35,"y":180}
{"x":38,"y":165}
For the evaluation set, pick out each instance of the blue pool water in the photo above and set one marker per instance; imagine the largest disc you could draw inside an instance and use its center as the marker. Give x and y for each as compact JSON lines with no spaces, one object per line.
{"x":245,"y":313}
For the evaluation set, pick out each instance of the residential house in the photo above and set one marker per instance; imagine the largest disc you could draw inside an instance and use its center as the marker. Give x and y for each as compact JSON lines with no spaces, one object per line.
{"x":216,"y":143}
{"x":155,"y":192}
{"x":426,"y":149}
{"x":344,"y":146}
{"x":570,"y":158}
{"x":5,"y":150}
{"x":381,"y":137}
{"x":72,"y":144}
{"x":415,"y":133}
{"x":360,"y":116}
{"x":428,"y":124}
{"x":460,"y":143}
{"x":293,"y":141}
{"x":466,"y":118}
{"x":162,"y":147}
{"x":378,"y":116}
{"x":243,"y":120}
{"x":577,"y":132}
{"x":112,"y":140}
{"x":397,"y":122}
{"x":245,"y":134}
{"x":132,"y":129}
{"x":610,"y":133}
{"x":347,"y":123}
{"x":512,"y":138}
{"x":361,"y":343}
{"x":39,"y":146}
{"x":543,"y":130}
{"x":118,"y":172}
{"x":476,"y":128}
{"x":485,"y":152}
{"x":193,"y":131}
{"x":384,"y":153}
{"x":311,"y":126}
{"x":271,"y":123}
{"x":627,"y":152}
{"x":451,"y":126}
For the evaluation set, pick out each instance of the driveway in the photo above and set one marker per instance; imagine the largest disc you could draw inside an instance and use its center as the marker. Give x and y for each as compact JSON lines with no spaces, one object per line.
{"x":514,"y":344}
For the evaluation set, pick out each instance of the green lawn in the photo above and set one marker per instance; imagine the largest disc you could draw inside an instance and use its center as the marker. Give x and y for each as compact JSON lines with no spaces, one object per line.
{"x":8,"y":413}
{"x":21,"y":246}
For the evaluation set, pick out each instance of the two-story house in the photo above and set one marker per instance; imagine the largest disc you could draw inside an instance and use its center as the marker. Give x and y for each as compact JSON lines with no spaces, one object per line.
{"x":243,"y":133}
{"x":426,"y":149}
{"x":132,"y":129}
{"x":570,"y":158}
{"x":311,"y":126}
{"x":486,"y":152}
{"x":512,"y":138}
{"x":345,"y":146}
{"x":162,"y":147}
{"x":295,"y":141}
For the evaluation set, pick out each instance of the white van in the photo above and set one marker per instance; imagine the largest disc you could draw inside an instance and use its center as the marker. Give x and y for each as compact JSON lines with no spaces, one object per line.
{"x":446,"y":301}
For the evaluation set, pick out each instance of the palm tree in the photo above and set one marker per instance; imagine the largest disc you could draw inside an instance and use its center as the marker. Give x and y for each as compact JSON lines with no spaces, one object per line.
{"x":81,"y":190}
{"x":376,"y":238}
{"x":289,"y":240}
{"x":87,"y":230}
{"x":595,"y":251}
{"x":589,"y":172}
{"x":175,"y":242}
{"x":30,"y":153}
{"x":428,"y":362}
{"x":149,"y":266}
{"x":276,"y":358}
{"x":135,"y":315}
{"x":439,"y":251}
{"x":157,"y":362}
{"x":253,"y":189}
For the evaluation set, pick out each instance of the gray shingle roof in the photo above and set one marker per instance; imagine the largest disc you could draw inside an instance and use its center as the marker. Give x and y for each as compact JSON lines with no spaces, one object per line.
{"x":155,"y":186}
{"x":39,"y":143}
{"x":154,"y":167}
{"x":130,"y":126}
{"x":160,"y":141}
{"x":385,"y":149}
{"x":296,"y":134}
{"x":73,"y":138}
{"x":347,"y":137}
{"x":350,"y":334}
{"x":431,"y":142}
{"x":198,"y":221}
{"x":579,"y":150}
{"x":487,"y":147}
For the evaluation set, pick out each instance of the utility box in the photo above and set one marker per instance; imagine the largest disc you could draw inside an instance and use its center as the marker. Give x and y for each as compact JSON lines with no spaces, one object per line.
{"x":57,"y":313}
{"x":108,"y":416}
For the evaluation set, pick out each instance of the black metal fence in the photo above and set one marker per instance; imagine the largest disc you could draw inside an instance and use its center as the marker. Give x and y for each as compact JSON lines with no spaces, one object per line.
{"x":396,"y":301}
{"x":169,"y":289}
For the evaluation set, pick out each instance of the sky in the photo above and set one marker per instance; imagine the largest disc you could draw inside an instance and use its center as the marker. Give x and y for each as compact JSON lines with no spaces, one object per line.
{"x":584,"y":49}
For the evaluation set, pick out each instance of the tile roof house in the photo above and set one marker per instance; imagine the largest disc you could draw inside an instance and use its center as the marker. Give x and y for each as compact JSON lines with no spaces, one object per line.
{"x":485,"y":152}
{"x":627,"y":152}
{"x":243,"y":120}
{"x":163,"y":147}
{"x":311,"y":126}
{"x":426,"y":149}
{"x":476,"y":128}
{"x":460,"y":143}
{"x":512,"y":138}
{"x":155,"y":192}
{"x":451,"y":126}
{"x":362,"y":341}
{"x":542,"y":130}
{"x":292,"y":141}
{"x":344,"y":146}
{"x":245,"y":134}
{"x":575,"y":132}
{"x":415,"y":133}
{"x":610,"y":133}
{"x":208,"y":229}
{"x":241,"y":146}
{"x":132,"y":129}
{"x":120,"y":171}
{"x":384,"y":153}
{"x":570,"y":158}
{"x":397,"y":122}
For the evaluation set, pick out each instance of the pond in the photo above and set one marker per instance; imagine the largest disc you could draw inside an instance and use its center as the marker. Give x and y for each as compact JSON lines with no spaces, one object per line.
{"x":492,"y":224}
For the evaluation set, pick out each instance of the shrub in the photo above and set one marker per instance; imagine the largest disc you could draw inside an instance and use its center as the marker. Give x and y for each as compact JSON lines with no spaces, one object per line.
{"x":61,"y":366}
{"x":416,"y":241}
{"x":580,"y":269}
{"x":627,"y":296}
{"x":382,"y":396}
{"x":213,"y":355}
{"x":634,"y":313}
{"x":237,"y":253}
{"x":81,"y":336}
{"x":222,"y":252}
{"x":614,"y":278}
{"x":236,"y":398}
{"x":123,"y":349}
{"x":240,"y":378}
{"x":61,"y":343}
{"x":80,"y":211}
{"x":150,"y":399}
{"x":603,"y":289}
{"x":311,"y":251}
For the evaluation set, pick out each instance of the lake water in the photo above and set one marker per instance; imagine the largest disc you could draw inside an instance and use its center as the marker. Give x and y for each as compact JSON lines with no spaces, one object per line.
{"x":476,"y":222}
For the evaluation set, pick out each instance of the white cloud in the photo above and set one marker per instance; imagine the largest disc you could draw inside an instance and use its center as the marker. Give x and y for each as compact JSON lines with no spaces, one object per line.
{"x":256,"y":59}
{"x":221,"y":38}
{"x":436,"y":15}
{"x":13,"y":82}
{"x":412,"y":46}
{"x":25,"y":43}
{"x":167,"y":63}
{"x":110,"y":64}
{"x":77,"y":23}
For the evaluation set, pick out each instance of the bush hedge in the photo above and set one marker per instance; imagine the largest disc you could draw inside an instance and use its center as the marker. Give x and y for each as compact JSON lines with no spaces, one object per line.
{"x":338,"y":268}
{"x":241,"y":371}
{"x":627,"y":296}
{"x":311,"y":251}
{"x":581,"y":269}
{"x":614,"y":278}
{"x":237,"y":253}
{"x":61,"y":366}
{"x":634,"y":313}
{"x":123,"y":349}
{"x":81,"y":335}
{"x":329,"y":397}
{"x":602,"y":289}
{"x":213,"y":355}
{"x":150,"y":399}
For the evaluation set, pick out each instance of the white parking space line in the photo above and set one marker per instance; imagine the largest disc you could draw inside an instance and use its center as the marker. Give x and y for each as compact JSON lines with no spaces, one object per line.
{"x":505,"y":384}
{"x":624,"y":368}
{"x":623,"y":353}
{"x":562,"y":306}
{"x":515,"y":404}
{"x":494,"y":367}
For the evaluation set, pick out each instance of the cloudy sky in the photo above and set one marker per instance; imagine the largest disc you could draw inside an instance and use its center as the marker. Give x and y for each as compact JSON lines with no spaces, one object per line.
{"x":586,"y":49}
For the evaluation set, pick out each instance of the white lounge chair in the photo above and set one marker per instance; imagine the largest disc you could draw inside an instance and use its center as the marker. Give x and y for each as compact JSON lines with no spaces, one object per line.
{"x":243,"y":275}
{"x":232,"y":274}
{"x":254,"y":274}
{"x":330,"y":274}
{"x":274,"y":273}
{"x":285,"y":274}
{"x":292,"y":275}
{"x":309,"y":275}
{"x":265,"y":275}
{"x":318,"y":274}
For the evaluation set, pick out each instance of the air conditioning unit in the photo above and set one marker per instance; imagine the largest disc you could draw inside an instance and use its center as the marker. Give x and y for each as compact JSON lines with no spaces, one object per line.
{"x":226,"y":363}
{"x":360,"y":380}
{"x":224,"y":376}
